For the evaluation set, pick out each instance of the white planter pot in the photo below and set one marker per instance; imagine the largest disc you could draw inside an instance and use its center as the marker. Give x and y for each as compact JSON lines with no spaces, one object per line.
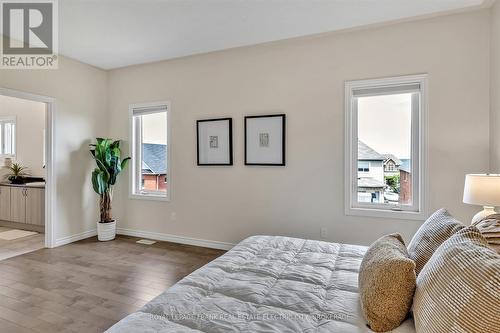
{"x":106,"y":231}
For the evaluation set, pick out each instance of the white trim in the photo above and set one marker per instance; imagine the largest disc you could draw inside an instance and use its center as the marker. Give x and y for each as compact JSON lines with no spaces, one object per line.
{"x":150,"y":235}
{"x":420,"y":145}
{"x":132,"y":151}
{"x":147,"y":196}
{"x":176,"y":239}
{"x":75,"y":238}
{"x":50,"y":181}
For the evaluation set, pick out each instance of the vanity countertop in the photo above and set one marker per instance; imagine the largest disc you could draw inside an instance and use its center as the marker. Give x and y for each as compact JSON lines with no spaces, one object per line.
{"x":35,"y":185}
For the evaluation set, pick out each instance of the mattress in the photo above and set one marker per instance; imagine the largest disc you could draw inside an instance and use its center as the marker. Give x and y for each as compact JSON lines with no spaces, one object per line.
{"x":264,"y":284}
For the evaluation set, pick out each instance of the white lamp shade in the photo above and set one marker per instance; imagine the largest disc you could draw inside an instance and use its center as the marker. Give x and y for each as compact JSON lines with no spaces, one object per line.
{"x":483,"y":190}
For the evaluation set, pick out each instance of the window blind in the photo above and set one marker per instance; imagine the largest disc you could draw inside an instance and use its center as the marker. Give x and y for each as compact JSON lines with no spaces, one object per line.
{"x":149,"y":110}
{"x":387,"y":90}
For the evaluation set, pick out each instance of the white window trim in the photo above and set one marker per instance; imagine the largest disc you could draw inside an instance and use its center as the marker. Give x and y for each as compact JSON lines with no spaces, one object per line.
{"x":133,"y":153}
{"x":7,"y":119}
{"x":382,"y":210}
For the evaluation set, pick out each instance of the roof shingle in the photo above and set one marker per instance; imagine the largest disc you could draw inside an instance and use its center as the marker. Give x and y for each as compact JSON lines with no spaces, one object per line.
{"x":370,"y":183}
{"x":366,"y":153}
{"x":396,"y":160}
{"x":154,"y":158}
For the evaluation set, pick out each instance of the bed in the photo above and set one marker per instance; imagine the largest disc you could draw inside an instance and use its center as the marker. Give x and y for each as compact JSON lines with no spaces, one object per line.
{"x":264,"y":284}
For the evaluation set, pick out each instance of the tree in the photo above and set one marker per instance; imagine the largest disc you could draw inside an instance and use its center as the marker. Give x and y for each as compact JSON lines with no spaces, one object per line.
{"x":392,"y":182}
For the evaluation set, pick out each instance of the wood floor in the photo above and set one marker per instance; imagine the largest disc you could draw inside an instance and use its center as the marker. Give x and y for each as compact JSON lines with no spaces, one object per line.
{"x":12,"y":248}
{"x":88,"y":286}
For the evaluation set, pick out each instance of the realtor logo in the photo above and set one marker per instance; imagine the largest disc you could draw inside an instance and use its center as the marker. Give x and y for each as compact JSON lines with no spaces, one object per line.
{"x":29,"y":34}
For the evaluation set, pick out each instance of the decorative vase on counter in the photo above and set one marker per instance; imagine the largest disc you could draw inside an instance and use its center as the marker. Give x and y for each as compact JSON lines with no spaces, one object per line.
{"x":16,"y":172}
{"x":16,"y":180}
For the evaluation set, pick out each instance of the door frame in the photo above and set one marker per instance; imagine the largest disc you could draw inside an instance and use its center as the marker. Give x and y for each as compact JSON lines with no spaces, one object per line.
{"x":50,"y":165}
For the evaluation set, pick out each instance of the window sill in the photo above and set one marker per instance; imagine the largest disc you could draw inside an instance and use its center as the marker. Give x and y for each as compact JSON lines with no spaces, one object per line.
{"x":150,"y":197}
{"x":385,"y":213}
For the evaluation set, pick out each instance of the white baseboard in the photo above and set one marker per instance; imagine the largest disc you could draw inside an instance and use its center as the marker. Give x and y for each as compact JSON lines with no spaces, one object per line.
{"x":150,"y":235}
{"x":175,"y":239}
{"x":74,"y":238}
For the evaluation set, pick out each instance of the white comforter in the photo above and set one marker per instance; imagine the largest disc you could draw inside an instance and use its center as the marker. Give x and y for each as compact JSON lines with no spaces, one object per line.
{"x":264,"y":284}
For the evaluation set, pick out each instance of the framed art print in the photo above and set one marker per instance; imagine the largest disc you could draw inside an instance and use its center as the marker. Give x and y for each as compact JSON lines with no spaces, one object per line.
{"x":214,"y":141}
{"x":265,"y":140}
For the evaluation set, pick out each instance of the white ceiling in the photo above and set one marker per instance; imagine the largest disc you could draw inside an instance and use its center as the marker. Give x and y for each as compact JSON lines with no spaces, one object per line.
{"x":116,"y":33}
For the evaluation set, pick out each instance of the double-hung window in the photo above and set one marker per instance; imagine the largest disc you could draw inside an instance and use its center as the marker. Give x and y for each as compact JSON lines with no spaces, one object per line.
{"x":8,"y":137}
{"x":386,"y":118}
{"x":150,"y":151}
{"x":363,"y":166}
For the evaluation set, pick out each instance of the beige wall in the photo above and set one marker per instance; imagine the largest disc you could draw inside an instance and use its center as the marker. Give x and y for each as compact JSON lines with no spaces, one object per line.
{"x":80,"y":92}
{"x":495,"y":88}
{"x":304,"y":78}
{"x":30,"y":123}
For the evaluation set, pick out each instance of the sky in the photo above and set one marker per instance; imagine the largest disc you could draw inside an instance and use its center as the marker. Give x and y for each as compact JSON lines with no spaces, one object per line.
{"x":384,"y":123}
{"x":154,"y":128}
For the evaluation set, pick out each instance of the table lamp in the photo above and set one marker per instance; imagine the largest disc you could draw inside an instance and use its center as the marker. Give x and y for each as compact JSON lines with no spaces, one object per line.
{"x":482,"y":190}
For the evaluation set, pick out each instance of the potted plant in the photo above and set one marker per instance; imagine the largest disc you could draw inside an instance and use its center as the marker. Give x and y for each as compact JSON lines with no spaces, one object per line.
{"x":107,"y":155}
{"x":16,"y":173}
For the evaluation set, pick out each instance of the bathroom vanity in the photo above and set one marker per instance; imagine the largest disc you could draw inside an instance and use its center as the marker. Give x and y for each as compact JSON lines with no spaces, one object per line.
{"x":23,"y":205}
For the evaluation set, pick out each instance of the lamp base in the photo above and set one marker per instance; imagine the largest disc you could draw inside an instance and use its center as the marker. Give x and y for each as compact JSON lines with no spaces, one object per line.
{"x":487,"y":210}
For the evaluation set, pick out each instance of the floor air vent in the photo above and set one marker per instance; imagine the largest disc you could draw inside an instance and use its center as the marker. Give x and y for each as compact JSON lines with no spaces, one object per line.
{"x":146,"y":241}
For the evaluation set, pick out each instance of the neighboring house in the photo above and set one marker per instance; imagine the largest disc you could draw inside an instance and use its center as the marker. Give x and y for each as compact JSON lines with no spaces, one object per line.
{"x":405,"y":190}
{"x":154,"y":167}
{"x":370,"y":174}
{"x":391,"y":165}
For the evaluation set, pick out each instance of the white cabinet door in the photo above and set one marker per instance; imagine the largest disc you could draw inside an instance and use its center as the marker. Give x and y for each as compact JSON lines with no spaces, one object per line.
{"x":35,"y":206}
{"x":17,"y":205}
{"x":5,"y":203}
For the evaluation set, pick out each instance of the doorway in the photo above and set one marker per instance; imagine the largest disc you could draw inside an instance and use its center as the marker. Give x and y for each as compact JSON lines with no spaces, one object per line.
{"x":27,"y":183}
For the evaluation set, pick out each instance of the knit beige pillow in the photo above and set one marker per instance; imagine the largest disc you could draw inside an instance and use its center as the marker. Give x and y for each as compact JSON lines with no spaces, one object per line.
{"x":459,"y":288}
{"x":386,"y":283}
{"x":437,"y":229}
{"x":490,"y":230}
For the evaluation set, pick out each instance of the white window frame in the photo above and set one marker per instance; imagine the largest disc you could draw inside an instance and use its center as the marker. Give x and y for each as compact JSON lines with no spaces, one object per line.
{"x":3,"y":121}
{"x":418,"y":210}
{"x":135,"y":151}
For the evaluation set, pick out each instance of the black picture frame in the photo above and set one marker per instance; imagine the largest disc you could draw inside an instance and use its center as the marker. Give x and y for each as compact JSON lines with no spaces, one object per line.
{"x":230,"y":128}
{"x":283,"y":145}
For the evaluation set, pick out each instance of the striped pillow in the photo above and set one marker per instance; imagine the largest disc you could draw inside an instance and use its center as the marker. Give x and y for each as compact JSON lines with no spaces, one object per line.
{"x":437,"y":229}
{"x":459,"y":288}
{"x":490,"y":229}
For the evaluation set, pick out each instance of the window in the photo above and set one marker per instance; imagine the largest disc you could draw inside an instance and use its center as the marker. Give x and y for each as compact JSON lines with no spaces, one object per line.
{"x":386,"y":117}
{"x":363,"y":166}
{"x":150,"y":147}
{"x":8,"y":137}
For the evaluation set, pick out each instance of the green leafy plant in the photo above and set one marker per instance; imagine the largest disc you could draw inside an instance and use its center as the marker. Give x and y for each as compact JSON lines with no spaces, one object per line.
{"x":393,"y":182}
{"x":16,"y":173}
{"x":107,"y":155}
